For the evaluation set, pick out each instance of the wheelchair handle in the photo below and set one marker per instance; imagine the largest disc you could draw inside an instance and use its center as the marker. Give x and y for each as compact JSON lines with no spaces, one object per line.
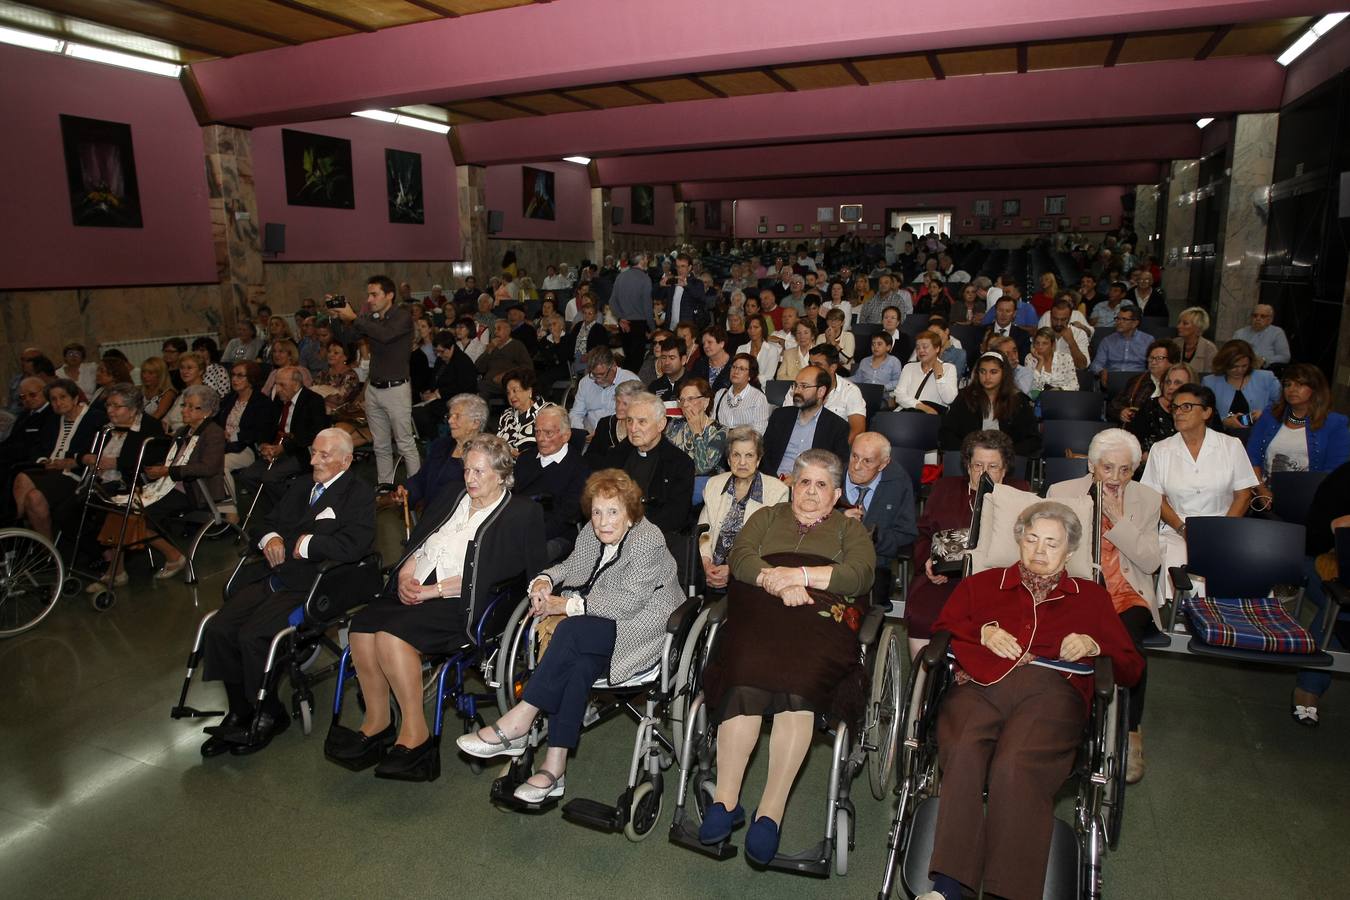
{"x":1103,"y":677}
{"x":936,"y":651}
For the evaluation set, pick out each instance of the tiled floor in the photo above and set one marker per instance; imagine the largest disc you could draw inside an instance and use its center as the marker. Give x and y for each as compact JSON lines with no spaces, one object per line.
{"x":102,"y":795}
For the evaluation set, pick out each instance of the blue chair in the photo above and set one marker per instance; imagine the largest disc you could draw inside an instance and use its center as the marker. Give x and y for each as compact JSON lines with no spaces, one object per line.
{"x":1059,"y":435}
{"x":1058,"y":468}
{"x":1083,"y":406}
{"x":1292,"y":494}
{"x":908,"y":429}
{"x":776,"y":391}
{"x":873,"y":395}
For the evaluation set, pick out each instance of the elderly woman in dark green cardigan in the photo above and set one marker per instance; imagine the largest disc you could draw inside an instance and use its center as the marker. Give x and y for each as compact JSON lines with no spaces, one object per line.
{"x":801,"y":576}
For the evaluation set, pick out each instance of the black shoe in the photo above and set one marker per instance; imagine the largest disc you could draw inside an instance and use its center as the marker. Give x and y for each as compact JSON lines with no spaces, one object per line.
{"x":420,"y":763}
{"x":231,"y":722}
{"x":251,"y":740}
{"x":384,"y":488}
{"x":355,"y":750}
{"x":215,"y":746}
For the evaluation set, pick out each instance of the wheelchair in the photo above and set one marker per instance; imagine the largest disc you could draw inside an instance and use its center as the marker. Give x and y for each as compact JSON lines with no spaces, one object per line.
{"x":338,"y":590}
{"x":444,"y":676}
{"x":873,"y":748}
{"x":1074,"y":870}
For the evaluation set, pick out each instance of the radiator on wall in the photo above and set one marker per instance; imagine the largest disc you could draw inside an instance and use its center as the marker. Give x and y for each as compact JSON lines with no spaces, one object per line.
{"x":138,"y":350}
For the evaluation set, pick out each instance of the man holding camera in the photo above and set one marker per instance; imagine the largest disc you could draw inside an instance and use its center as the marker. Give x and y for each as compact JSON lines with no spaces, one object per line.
{"x":388,"y":329}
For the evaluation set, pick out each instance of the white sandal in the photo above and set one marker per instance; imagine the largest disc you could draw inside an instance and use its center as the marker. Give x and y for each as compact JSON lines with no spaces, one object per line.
{"x":529,"y":793}
{"x":473,"y":745}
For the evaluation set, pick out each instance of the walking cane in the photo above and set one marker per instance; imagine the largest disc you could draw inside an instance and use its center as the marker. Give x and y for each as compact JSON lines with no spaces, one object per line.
{"x":407,"y":521}
{"x":256,"y":494}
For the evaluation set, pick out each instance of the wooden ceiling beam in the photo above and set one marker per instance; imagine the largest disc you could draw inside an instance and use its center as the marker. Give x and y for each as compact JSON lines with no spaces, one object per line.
{"x":462,"y":114}
{"x":432,"y":7}
{"x":221,"y":23}
{"x":716,"y":92}
{"x":1022,"y":58}
{"x":324,"y":14}
{"x":1117,"y":44}
{"x":935,"y":65}
{"x":572,"y":98}
{"x":638,"y":92}
{"x":1214,"y":41}
{"x":854,"y":72}
{"x":511,"y":104}
{"x":771,"y":73}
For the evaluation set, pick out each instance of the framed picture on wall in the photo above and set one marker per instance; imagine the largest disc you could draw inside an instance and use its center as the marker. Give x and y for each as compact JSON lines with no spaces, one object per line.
{"x":1012,"y":207}
{"x":762,"y":229}
{"x":1104,"y":220}
{"x":850,"y":212}
{"x":712,"y":215}
{"x":798,"y":228}
{"x":815,"y":226}
{"x":1045,"y":224}
{"x":538,"y":199}
{"x":983,"y":207}
{"x":876,"y":226}
{"x":644,"y":204}
{"x":403,"y":185}
{"x":1006,"y":223}
{"x":824,"y":213}
{"x":779,"y":229}
{"x":1065,"y":222}
{"x":318,"y":170}
{"x":1085,"y":220}
{"x":1054,"y":204}
{"x":1026,"y":223}
{"x":833,"y":226}
{"x":101,"y":173}
{"x":967,"y":223}
{"x":986,"y":224}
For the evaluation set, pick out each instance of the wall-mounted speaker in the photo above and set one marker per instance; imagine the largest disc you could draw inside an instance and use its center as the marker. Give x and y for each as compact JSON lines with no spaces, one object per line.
{"x":274,"y":238}
{"x":616,"y":215}
{"x":496,"y":221}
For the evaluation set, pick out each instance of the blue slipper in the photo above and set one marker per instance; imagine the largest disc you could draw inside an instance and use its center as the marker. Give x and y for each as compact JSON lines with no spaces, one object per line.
{"x":718,"y":823}
{"x":761,"y":841}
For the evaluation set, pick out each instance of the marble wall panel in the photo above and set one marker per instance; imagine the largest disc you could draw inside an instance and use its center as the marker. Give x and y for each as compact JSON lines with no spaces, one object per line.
{"x":1244,"y":233}
{"x":1180,"y":232}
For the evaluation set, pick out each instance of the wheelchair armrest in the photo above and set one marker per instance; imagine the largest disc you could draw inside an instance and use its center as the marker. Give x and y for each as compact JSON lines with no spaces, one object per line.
{"x":936,"y":651}
{"x":683,"y":613}
{"x":871,"y":626}
{"x":1103,"y":677}
{"x":1181,"y":581}
{"x":717,"y":613}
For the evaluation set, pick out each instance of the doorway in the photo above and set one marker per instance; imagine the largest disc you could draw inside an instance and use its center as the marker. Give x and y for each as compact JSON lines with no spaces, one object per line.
{"x":921,"y":220}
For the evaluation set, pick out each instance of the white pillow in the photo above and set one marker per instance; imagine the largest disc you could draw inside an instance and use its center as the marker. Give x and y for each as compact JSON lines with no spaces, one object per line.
{"x":998,"y":549}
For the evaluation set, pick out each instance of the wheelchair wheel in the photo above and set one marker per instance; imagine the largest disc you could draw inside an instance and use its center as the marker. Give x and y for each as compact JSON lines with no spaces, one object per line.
{"x":103,"y":601}
{"x":883,"y":714}
{"x":1113,"y":796}
{"x":688,"y":673}
{"x":841,"y":839}
{"x":514,"y":658}
{"x":306,"y":717}
{"x":31,"y":579}
{"x":644,"y":811}
{"x":70,"y":587}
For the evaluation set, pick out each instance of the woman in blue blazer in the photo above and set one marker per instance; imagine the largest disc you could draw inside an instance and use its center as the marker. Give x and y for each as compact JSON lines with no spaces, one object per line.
{"x":1305,"y":406}
{"x":1239,"y":387}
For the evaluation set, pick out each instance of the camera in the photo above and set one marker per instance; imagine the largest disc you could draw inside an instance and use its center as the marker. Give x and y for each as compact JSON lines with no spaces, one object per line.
{"x":337,"y":301}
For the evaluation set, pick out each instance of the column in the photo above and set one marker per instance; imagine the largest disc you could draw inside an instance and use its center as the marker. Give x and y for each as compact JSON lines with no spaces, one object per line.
{"x":602,"y":224}
{"x":473,"y":232}
{"x":234,"y":222}
{"x":1244,"y":230}
{"x":683,"y":211}
{"x":1180,"y":234}
{"x":1146,"y":217}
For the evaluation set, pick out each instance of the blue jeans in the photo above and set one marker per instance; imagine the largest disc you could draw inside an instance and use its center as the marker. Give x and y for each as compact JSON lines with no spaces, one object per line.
{"x":578,"y":654}
{"x":1316,"y":681}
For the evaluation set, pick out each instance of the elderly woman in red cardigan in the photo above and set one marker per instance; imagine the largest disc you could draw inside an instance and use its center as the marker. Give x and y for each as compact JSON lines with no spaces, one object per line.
{"x":1008,"y":723}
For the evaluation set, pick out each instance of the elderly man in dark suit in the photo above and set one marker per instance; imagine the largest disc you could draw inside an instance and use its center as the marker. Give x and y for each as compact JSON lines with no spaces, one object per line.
{"x":301,"y":416}
{"x":330,"y":517}
{"x":552,"y":473}
{"x":804,"y":425}
{"x":663,"y":471}
{"x":24,"y":443}
{"x":881,"y":495}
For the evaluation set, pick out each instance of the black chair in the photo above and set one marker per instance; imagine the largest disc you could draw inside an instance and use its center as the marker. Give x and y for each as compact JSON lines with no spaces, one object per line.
{"x":911,"y":459}
{"x":1059,"y":435}
{"x":915,"y":324}
{"x":777,"y":391}
{"x":1116,"y":382}
{"x":1059,"y":468}
{"x":908,"y":429}
{"x":1082,"y":406}
{"x":1098,"y":335}
{"x":873,"y":395}
{"x":953,"y":465}
{"x":970,"y":337}
{"x":1292,"y":494}
{"x":862,"y":336}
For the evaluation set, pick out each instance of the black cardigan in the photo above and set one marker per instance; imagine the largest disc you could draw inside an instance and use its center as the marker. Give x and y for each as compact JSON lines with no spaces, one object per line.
{"x":960,"y":420}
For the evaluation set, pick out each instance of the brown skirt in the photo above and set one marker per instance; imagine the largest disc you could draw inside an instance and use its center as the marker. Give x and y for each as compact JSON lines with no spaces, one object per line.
{"x":772,"y":658}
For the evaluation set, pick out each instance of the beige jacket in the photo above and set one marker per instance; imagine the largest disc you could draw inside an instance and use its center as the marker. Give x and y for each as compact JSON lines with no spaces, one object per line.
{"x":716,"y":502}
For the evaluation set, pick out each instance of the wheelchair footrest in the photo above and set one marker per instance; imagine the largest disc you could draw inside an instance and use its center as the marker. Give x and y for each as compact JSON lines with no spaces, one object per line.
{"x":594,"y":814}
{"x":815,"y":861}
{"x":685,"y":835}
{"x":188,"y":712}
{"x":503,"y":794}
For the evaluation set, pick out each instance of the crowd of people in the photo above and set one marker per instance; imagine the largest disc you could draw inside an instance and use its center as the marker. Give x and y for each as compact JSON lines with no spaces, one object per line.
{"x":572,"y":434}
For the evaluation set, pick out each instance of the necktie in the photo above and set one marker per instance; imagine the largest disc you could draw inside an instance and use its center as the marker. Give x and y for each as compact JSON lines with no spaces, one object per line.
{"x":316,"y":493}
{"x":862,"y":496}
{"x":281,"y":424}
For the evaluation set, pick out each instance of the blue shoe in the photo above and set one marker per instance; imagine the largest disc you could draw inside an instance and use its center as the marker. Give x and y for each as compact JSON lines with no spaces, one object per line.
{"x":761,"y":841}
{"x":718,"y":823}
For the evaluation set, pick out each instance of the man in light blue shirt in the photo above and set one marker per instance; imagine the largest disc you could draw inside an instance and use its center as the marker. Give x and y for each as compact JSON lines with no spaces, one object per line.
{"x":1268,"y":341}
{"x":1124,"y":351}
{"x":1026,"y":313}
{"x":595,"y":394}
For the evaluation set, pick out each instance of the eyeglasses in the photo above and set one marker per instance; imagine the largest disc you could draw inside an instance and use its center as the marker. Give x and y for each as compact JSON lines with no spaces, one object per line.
{"x":987,"y":467}
{"x":1158,"y":357}
{"x":1187,"y":407}
{"x":804,"y":386}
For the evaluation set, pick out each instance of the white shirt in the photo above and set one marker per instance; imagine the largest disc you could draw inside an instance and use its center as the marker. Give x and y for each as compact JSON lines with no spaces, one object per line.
{"x":991,"y":296}
{"x":546,"y":461}
{"x":842,"y":304}
{"x":301,"y":546}
{"x":1203,"y":486}
{"x":768,"y":356}
{"x":1083,"y":338}
{"x":749,"y":407}
{"x":938,"y":390}
{"x":442,"y":554}
{"x":844,"y":399}
{"x":556,"y":283}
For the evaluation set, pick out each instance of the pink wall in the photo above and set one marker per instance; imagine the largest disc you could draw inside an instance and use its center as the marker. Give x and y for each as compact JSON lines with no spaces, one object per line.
{"x":39,"y":245}
{"x":572,"y":192}
{"x":1090,"y":202}
{"x":314,"y":234}
{"x":663,"y":218}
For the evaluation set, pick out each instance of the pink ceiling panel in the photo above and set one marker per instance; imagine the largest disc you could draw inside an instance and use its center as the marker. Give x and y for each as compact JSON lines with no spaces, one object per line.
{"x":1031,"y":100}
{"x":463,"y":58}
{"x":1179,"y":140}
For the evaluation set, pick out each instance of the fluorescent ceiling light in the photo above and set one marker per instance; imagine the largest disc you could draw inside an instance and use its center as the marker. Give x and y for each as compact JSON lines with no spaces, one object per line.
{"x":1309,"y":37}
{"x":30,"y":40}
{"x":1201,"y":123}
{"x":579,"y":160}
{"x":125,"y":60}
{"x":381,"y":115}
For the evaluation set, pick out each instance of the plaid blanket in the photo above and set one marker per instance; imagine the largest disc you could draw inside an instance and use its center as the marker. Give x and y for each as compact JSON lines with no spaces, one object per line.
{"x":1256,"y":624}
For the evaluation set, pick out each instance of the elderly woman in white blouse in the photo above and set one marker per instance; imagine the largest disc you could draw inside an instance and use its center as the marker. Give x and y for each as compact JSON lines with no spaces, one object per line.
{"x":927,"y":385}
{"x":743,"y":403}
{"x":1199,"y":472}
{"x":731,"y":498}
{"x":1051,"y":368}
